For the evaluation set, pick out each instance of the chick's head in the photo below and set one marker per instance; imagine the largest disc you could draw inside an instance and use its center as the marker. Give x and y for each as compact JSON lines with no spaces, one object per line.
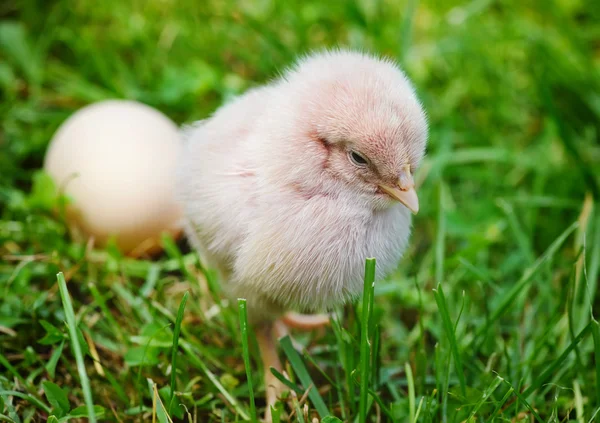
{"x":348,"y":121}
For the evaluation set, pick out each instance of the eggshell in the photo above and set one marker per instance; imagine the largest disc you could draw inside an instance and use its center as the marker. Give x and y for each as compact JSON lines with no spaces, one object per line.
{"x":116,"y":161}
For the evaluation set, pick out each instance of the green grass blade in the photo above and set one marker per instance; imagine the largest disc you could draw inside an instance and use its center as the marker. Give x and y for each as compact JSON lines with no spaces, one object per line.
{"x":568,"y":137}
{"x":340,"y":355}
{"x":596,"y":336}
{"x":450,"y":333}
{"x":243,"y":315}
{"x":593,"y":265}
{"x":276,"y":414}
{"x":286,"y":381}
{"x":118,"y":387}
{"x":421,"y":357}
{"x":382,"y":406}
{"x":578,"y":401}
{"x":419,"y":409}
{"x":344,"y":354}
{"x":543,"y":378}
{"x":365,"y":348}
{"x":486,"y":395}
{"x":321,"y":371}
{"x":176,"y":333}
{"x":440,"y":246}
{"x":524,"y":401}
{"x":525,"y":279}
{"x":158,"y":406}
{"x":214,"y":379}
{"x":411,"y":393}
{"x":11,"y":369}
{"x":173,"y":251}
{"x":5,"y":418}
{"x":151,"y":280}
{"x":339,"y":389}
{"x":594,"y":415}
{"x":29,"y":398}
{"x":519,"y":232}
{"x":375,"y":353}
{"x":142,"y":364}
{"x":302,"y":373}
{"x":53,"y":361}
{"x":72,"y":327}
{"x":298,"y":410}
{"x":101,"y":302}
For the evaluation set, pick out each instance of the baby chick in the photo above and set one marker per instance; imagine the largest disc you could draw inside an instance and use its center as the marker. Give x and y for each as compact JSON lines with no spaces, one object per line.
{"x":290,"y":187}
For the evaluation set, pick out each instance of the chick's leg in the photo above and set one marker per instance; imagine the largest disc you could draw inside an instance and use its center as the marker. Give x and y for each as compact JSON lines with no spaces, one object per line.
{"x":265,"y":336}
{"x":305,"y":321}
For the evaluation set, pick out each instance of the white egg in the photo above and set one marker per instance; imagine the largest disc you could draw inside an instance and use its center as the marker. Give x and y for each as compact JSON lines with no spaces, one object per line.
{"x":116,"y":161}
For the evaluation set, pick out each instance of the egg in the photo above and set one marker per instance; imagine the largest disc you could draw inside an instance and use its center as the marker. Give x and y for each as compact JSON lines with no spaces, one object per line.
{"x":115,"y":160}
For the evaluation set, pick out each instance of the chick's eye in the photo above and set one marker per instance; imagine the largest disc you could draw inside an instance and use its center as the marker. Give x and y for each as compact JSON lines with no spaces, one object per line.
{"x":357,"y":159}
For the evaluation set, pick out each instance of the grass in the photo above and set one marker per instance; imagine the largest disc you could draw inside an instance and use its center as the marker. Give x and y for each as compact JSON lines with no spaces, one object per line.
{"x":243,"y":315}
{"x":366,"y":345}
{"x":490,"y":317}
{"x":76,"y":345}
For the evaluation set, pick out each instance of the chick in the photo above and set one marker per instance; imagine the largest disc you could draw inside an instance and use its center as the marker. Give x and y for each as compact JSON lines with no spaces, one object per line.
{"x":288,"y":189}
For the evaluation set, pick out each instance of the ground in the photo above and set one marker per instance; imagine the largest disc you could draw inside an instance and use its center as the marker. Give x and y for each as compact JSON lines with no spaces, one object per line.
{"x":490,"y":315}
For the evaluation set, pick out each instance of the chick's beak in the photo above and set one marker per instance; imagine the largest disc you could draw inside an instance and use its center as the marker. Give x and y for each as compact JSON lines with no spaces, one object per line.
{"x":404,"y":191}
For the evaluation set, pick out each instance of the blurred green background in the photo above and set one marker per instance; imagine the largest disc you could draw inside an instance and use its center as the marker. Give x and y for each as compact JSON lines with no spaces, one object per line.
{"x":512,"y":91}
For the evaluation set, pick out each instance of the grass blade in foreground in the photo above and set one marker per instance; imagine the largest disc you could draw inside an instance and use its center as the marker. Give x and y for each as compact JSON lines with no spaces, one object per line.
{"x":551,"y":369}
{"x":486,"y":395}
{"x":382,"y":406}
{"x":158,"y":408}
{"x":246,"y":353}
{"x":411,"y":393}
{"x":528,"y":275}
{"x":364,"y":338}
{"x":286,"y":382}
{"x":176,"y":333}
{"x":596,"y":337}
{"x":26,"y":397}
{"x":302,"y":373}
{"x":193,"y":357}
{"x":10,"y":368}
{"x":72,"y":326}
{"x":525,"y":402}
{"x":500,"y":405}
{"x":440,"y":298}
